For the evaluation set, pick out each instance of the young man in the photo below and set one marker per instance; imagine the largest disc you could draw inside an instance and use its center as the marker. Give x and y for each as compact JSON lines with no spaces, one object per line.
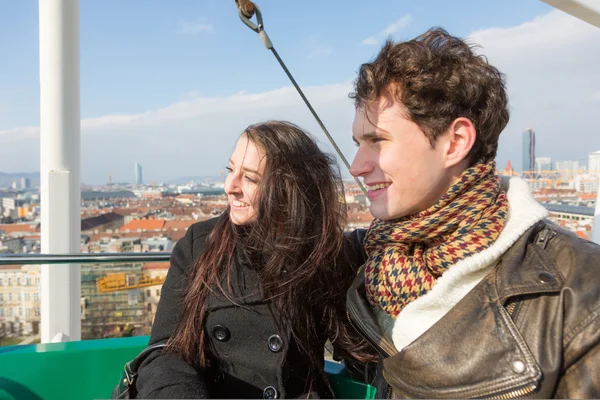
{"x":467,"y":290}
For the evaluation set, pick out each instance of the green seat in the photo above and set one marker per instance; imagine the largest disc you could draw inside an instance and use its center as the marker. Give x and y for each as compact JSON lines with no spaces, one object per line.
{"x":90,"y":369}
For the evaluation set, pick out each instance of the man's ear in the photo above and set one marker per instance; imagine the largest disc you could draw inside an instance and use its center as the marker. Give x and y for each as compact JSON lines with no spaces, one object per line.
{"x":460,"y":139}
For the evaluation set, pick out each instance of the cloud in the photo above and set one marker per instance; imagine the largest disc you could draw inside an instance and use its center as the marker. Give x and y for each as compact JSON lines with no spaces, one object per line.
{"x":370,"y":41}
{"x":397,"y":26}
{"x":23,"y":132}
{"x":317,"y":47}
{"x":551,"y":68}
{"x":194,"y":28}
{"x":402,"y":23}
{"x":190,"y":137}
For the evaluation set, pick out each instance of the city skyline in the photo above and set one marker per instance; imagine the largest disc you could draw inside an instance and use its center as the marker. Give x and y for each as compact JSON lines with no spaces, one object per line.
{"x":186,"y":122}
{"x":539,"y":163}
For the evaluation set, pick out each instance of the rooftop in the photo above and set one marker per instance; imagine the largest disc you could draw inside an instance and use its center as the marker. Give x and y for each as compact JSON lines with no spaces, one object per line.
{"x":144,"y":225}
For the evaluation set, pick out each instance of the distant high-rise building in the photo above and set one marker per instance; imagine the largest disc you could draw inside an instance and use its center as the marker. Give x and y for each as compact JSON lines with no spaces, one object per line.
{"x":594,"y":163}
{"x":138,"y":174}
{"x":528,"y":150}
{"x":543,"y":164}
{"x":25,"y":183}
{"x":568,"y":169}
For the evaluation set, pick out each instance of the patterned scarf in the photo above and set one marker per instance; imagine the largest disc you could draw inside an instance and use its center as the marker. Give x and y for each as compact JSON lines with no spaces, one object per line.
{"x":407,"y":255}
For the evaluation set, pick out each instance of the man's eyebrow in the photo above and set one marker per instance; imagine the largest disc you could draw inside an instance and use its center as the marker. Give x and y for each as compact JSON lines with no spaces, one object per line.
{"x":372,"y":134}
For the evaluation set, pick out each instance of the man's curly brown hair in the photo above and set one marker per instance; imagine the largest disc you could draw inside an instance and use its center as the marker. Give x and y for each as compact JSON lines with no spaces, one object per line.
{"x":438,"y":78}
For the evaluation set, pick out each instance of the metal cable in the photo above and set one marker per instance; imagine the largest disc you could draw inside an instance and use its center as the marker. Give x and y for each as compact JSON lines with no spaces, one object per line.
{"x":259,"y":28}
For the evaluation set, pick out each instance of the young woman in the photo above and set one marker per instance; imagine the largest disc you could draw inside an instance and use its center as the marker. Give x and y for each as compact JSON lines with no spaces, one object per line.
{"x":252,"y":296}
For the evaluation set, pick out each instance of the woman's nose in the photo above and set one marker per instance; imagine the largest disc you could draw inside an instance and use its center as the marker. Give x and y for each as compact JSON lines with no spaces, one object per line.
{"x":232,"y":184}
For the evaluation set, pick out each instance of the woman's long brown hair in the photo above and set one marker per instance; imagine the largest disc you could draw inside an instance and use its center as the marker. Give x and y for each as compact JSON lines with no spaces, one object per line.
{"x":298,"y":239}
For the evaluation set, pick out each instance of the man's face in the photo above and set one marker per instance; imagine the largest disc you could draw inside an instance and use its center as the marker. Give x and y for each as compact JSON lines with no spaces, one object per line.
{"x":402,"y":172}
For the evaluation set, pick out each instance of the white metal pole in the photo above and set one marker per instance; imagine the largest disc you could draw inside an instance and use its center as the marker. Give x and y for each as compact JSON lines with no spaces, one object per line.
{"x":60,"y":167}
{"x":585,"y":10}
{"x":596,"y":226}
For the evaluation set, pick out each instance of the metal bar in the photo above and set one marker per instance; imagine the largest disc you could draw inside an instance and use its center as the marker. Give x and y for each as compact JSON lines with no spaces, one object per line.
{"x":260,"y":29}
{"x":86,"y":258}
{"x":60,"y":149}
{"x":314,"y":113}
{"x":585,"y":10}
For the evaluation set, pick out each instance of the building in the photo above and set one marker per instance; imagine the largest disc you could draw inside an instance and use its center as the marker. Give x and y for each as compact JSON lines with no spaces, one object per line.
{"x":570,"y":212}
{"x":138,"y":174}
{"x":116,"y":313}
{"x":10,"y":206}
{"x":102,"y":223}
{"x":543,"y":164}
{"x":20,"y":299}
{"x":15,"y":230}
{"x":568,"y":169}
{"x":594,"y":163}
{"x":25,"y":183}
{"x":160,"y":243}
{"x":528,"y":150}
{"x":143,"y":225}
{"x":586,"y":183}
{"x":152,"y":296}
{"x":13,"y":244}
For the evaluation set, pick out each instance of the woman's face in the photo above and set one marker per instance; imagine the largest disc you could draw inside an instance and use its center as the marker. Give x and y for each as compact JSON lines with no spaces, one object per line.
{"x":246,"y":167}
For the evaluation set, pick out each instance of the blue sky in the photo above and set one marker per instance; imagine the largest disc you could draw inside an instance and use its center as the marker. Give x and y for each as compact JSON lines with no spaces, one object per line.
{"x":139,"y":56}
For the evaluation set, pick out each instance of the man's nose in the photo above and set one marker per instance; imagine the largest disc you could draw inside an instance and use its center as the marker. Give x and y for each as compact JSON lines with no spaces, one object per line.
{"x":361,"y":164}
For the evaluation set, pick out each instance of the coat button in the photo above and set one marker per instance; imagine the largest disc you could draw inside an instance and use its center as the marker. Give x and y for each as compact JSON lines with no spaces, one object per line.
{"x":518,"y":366}
{"x":275,"y":343}
{"x":270,"y":393}
{"x":221,"y":333}
{"x":545,"y":277}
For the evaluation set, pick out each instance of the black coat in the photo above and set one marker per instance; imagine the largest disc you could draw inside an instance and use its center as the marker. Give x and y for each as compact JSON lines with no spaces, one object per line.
{"x":252,"y":356}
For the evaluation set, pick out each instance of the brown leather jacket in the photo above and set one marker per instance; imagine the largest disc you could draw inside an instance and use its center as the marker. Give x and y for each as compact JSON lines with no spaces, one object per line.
{"x":530,"y":328}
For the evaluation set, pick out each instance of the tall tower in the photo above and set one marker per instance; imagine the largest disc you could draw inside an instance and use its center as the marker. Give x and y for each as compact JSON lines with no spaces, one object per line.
{"x":594,"y":163}
{"x":528,"y":150}
{"x":138,"y":173}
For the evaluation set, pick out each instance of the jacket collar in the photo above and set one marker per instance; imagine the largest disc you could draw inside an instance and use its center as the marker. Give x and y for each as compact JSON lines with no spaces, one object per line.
{"x":526,"y":268}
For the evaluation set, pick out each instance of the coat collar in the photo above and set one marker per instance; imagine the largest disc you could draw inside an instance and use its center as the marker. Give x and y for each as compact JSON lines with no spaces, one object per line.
{"x":526,"y":268}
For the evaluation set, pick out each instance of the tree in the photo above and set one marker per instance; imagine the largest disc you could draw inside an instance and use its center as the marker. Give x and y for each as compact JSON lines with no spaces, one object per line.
{"x":3,"y":333}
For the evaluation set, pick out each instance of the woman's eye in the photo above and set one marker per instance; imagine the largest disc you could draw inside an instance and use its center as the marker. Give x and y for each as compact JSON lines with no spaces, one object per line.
{"x":229,"y":169}
{"x":250,"y":179}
